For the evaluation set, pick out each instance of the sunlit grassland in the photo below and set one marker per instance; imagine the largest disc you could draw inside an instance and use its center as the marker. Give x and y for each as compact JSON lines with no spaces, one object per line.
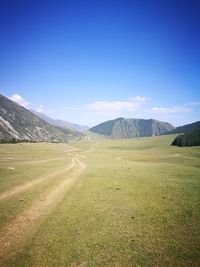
{"x":21,"y":163}
{"x":136,"y":204}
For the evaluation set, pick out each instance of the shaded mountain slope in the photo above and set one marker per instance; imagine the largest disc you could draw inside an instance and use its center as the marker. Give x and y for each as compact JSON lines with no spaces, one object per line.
{"x":185,"y":128}
{"x":128,"y":128}
{"x":21,"y":124}
{"x":61,"y":123}
{"x":190,"y":138}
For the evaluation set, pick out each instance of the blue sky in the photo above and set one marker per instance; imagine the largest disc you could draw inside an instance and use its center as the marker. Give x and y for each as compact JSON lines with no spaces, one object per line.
{"x":89,"y":61}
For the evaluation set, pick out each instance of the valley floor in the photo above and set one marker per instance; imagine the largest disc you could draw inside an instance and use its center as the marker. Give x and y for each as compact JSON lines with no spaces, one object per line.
{"x":95,"y":203}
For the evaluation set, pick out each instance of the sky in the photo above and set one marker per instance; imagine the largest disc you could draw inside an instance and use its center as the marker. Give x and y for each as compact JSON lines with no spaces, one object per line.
{"x":90,"y":61}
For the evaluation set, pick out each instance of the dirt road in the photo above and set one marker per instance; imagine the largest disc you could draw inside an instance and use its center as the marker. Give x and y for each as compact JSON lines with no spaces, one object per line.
{"x":15,"y":234}
{"x":20,"y":188}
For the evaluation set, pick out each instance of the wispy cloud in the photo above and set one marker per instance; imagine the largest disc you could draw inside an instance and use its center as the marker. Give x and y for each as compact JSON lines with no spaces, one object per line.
{"x":167,"y":110}
{"x":176,"y":109}
{"x":70,"y":108}
{"x":19,"y":100}
{"x":40,"y":109}
{"x":192,"y":104}
{"x":115,"y":107}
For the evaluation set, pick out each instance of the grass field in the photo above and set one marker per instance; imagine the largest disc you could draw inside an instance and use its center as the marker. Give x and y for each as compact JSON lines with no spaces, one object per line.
{"x":132,"y":202}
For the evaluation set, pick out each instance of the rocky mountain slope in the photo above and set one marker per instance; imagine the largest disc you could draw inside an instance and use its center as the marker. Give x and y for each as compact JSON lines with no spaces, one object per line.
{"x":185,"y":128}
{"x":61,"y":123}
{"x":128,"y":128}
{"x":21,"y":124}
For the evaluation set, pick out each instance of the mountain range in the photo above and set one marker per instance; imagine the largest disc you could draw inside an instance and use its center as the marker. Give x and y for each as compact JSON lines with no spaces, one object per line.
{"x":18,"y":123}
{"x":128,"y":128}
{"x":185,"y":128}
{"x":61,"y":123}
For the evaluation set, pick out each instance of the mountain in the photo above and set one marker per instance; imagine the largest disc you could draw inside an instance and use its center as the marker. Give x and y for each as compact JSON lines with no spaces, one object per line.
{"x":61,"y":123}
{"x":18,"y":123}
{"x":127,"y":128}
{"x":185,"y":128}
{"x":190,"y":138}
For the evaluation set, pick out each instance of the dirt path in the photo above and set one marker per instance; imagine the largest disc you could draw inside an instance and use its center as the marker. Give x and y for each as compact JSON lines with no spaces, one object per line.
{"x":36,"y":161}
{"x":42,"y":178}
{"x":20,"y":188}
{"x":92,"y":148}
{"x":15,"y":234}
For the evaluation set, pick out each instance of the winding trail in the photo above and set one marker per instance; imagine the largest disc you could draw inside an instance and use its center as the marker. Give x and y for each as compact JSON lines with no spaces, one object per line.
{"x":16,"y":232}
{"x":34,"y":161}
{"x":20,"y":188}
{"x":14,"y":235}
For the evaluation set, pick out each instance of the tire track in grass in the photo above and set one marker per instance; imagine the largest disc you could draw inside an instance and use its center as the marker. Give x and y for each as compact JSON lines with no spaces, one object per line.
{"x":20,"y":188}
{"x":92,"y":148}
{"x":37,"y":161}
{"x":14,"y":235}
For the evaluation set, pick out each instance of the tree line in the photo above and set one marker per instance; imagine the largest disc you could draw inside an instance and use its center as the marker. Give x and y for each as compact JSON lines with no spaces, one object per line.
{"x":15,"y":141}
{"x":191,"y":138}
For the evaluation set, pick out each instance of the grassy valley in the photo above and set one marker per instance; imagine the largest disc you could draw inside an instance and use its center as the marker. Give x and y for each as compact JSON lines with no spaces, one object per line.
{"x":100,"y":133}
{"x":101,"y":202}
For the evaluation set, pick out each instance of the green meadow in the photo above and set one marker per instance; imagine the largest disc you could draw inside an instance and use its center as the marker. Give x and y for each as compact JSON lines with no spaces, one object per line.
{"x":133,"y":202}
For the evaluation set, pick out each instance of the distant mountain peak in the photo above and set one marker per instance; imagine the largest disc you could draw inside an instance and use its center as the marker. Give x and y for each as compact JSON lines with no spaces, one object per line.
{"x":61,"y":123}
{"x":131,"y":127}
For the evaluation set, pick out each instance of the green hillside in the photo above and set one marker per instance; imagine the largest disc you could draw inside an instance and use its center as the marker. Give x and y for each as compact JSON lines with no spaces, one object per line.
{"x":191,"y":138}
{"x":185,"y":128}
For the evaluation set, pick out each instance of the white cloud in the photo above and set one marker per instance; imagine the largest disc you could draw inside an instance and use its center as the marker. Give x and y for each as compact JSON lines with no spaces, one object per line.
{"x":70,"y":108}
{"x":176,"y":109}
{"x":19,"y":100}
{"x":117,"y":106}
{"x":167,"y":110}
{"x":139,"y":99}
{"x":40,"y":109}
{"x":191,"y":104}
